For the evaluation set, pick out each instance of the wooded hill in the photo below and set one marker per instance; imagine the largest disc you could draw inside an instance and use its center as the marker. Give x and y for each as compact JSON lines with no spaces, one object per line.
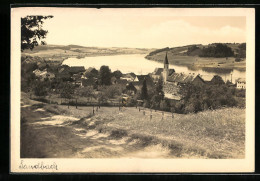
{"x":216,"y":50}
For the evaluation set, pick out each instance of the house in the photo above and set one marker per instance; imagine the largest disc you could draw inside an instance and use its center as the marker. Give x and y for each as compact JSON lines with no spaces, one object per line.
{"x":76,"y":69}
{"x":140,"y":78}
{"x":217,"y":80}
{"x":171,"y":91}
{"x":123,"y":82}
{"x":129,"y":77}
{"x":43,"y":74}
{"x":198,"y":80}
{"x":241,"y":83}
{"x":63,"y":73}
{"x":88,"y":82}
{"x":130,"y":89}
{"x":76,"y":77}
{"x":91,"y":71}
{"x":157,"y":74}
{"x":181,"y":79}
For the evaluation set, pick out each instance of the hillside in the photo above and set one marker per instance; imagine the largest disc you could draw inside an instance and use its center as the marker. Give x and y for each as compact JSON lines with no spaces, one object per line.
{"x":128,"y":133}
{"x":62,"y":52}
{"x":195,"y":56}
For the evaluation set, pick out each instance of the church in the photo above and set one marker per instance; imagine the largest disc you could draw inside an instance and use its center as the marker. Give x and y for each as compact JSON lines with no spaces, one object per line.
{"x":173,"y":80}
{"x":163,"y":73}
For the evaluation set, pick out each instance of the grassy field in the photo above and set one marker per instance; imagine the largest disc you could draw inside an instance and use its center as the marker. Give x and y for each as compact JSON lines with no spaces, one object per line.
{"x":56,"y":131}
{"x":59,"y":52}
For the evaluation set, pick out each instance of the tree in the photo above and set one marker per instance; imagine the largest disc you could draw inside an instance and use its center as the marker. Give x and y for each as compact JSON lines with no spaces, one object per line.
{"x":104,"y":75}
{"x":144,"y":93}
{"x":40,"y":88}
{"x":112,"y":91}
{"x":159,"y":88}
{"x":91,"y":74}
{"x":67,"y":91}
{"x":32,"y":32}
{"x":117,"y":74}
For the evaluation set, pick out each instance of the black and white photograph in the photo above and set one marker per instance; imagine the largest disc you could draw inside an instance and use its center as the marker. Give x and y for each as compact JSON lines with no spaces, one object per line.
{"x":135,"y":84}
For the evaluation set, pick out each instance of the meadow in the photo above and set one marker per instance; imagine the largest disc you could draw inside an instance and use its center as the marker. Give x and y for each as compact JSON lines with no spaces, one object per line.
{"x":130,"y":132}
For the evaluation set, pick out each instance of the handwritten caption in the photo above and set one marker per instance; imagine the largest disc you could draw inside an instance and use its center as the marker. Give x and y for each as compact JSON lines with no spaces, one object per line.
{"x":38,"y":166}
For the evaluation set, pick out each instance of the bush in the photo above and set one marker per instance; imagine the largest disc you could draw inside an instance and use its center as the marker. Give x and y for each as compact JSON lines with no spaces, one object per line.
{"x":238,"y":60}
{"x":131,"y":102}
{"x":199,"y":98}
{"x":146,"y":104}
{"x":164,"y":105}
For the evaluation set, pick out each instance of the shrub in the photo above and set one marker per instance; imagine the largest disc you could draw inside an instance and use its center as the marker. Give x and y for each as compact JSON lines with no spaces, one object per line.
{"x":238,"y":59}
{"x":164,"y":105}
{"x":146,"y":104}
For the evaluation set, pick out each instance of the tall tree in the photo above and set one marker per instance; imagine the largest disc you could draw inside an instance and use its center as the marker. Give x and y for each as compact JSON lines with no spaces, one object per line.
{"x":144,"y":92}
{"x":32,"y":32}
{"x":104,"y":75}
{"x":159,"y":88}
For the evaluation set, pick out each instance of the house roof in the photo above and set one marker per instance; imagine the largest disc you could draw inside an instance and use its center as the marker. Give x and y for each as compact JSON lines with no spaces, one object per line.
{"x":121,"y":81}
{"x":158,"y":71}
{"x":241,"y":80}
{"x":130,"y":86}
{"x":90,"y":69}
{"x":217,"y":80}
{"x":129,"y":75}
{"x":149,"y":80}
{"x":171,"y":71}
{"x":181,"y":77}
{"x":76,"y":69}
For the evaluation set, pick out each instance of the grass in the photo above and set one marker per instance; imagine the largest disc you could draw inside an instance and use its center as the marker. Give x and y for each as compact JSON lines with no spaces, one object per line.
{"x":215,"y":134}
{"x":209,"y":134}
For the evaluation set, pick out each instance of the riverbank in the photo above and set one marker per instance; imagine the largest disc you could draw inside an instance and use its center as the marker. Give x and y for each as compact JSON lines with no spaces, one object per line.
{"x":54,"y":131}
{"x":61,"y":53}
{"x":195,"y":62}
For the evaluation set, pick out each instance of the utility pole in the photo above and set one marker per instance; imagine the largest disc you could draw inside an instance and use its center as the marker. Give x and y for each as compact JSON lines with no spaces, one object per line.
{"x":231,"y":78}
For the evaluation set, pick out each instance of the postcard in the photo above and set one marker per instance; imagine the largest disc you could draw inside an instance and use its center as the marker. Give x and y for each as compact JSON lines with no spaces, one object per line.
{"x":132,"y":90}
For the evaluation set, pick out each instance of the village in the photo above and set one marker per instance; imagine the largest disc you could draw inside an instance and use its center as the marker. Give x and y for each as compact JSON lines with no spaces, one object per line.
{"x":118,"y":88}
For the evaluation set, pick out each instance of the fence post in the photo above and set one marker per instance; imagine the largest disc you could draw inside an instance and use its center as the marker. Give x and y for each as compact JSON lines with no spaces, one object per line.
{"x":162,"y":115}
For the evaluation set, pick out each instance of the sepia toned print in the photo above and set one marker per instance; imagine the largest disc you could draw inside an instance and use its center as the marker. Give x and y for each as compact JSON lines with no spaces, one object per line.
{"x":150,"y":85}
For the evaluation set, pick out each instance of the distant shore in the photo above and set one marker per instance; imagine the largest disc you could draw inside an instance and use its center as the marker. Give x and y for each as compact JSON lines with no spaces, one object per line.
{"x":195,"y":62}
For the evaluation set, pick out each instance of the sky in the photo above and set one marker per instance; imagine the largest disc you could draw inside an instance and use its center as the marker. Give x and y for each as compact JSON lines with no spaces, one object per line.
{"x":138,"y":28}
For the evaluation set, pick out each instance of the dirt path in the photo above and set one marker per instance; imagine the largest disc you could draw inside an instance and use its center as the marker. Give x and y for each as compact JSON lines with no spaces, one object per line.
{"x":46,"y":135}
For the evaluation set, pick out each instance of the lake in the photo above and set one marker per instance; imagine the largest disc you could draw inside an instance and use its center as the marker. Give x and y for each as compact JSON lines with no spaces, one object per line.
{"x":139,"y":65}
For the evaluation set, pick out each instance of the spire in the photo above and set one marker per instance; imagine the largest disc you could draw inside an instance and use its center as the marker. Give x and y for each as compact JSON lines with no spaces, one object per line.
{"x":166,"y":59}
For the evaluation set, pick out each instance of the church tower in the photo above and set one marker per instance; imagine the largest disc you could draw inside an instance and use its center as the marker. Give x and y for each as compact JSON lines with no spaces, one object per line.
{"x":165,"y":69}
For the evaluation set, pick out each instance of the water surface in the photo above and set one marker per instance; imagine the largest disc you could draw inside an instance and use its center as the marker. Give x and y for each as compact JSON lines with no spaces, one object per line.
{"x":139,"y":65}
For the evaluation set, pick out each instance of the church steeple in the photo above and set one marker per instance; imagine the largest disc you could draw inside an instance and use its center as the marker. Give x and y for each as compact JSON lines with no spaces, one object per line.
{"x":166,"y":62}
{"x":165,"y":72}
